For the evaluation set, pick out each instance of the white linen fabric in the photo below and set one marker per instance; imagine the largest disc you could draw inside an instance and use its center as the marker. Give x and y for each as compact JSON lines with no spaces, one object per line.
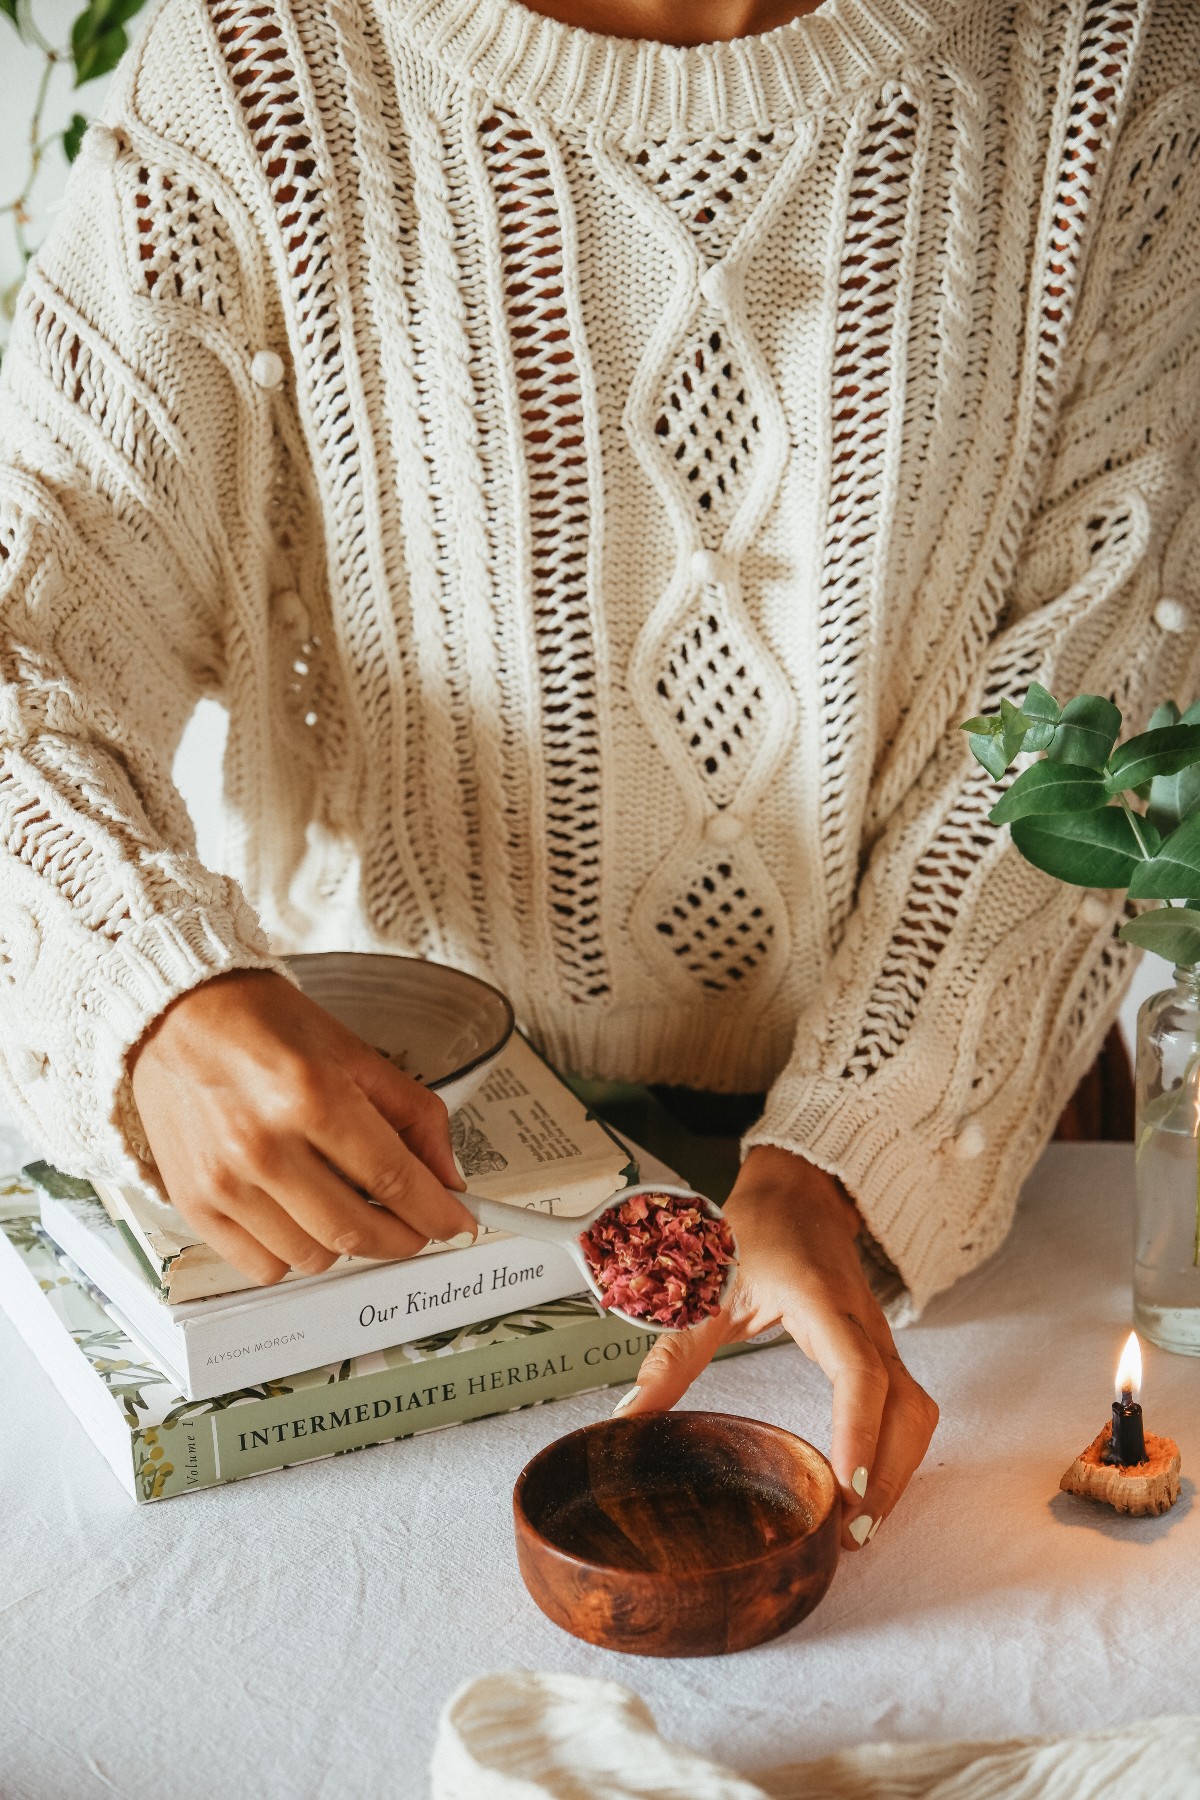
{"x":296,"y":1636}
{"x":597,"y":478}
{"x":528,"y":1736}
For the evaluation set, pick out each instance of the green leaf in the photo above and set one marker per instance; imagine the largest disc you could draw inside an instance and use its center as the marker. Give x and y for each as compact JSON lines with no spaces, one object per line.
{"x":1039,"y":704}
{"x":1087,"y":849}
{"x":1048,"y":787}
{"x":1173,"y":798}
{"x":1164,"y":751}
{"x":990,"y":752}
{"x":1192,"y":715}
{"x":1040,"y":735}
{"x":1014,"y":726}
{"x":1175,"y":870}
{"x":1086,"y":733}
{"x":101,"y":56}
{"x":9,"y":9}
{"x":986,"y":725}
{"x":1167,"y":713}
{"x":1170,"y":931}
{"x":73,"y":136}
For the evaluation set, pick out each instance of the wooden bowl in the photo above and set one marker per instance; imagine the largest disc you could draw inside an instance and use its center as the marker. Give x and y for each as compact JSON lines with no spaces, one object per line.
{"x":677,"y":1533}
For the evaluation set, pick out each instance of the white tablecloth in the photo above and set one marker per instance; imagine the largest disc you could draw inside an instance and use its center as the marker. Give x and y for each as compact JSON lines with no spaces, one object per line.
{"x":296,"y":1635}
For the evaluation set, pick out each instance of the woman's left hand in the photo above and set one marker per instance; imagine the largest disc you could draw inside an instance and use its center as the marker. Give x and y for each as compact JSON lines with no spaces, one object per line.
{"x":798,"y":1266}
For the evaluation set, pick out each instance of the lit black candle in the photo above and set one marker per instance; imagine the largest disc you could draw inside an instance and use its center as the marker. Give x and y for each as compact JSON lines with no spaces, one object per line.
{"x":1127,"y":1444}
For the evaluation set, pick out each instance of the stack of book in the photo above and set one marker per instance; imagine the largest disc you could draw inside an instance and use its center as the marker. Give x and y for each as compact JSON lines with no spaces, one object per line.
{"x":143,"y":1328}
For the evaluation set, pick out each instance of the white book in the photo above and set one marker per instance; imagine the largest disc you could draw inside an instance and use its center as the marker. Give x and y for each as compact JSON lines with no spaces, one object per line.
{"x":525,"y":1136}
{"x":242,"y":1340}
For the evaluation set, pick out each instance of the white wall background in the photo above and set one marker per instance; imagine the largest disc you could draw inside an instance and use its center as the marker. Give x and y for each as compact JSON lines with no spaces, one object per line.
{"x":198,"y":765}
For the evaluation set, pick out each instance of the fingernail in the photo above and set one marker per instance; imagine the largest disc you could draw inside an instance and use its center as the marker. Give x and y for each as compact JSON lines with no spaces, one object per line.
{"x":875,"y":1528}
{"x":462,"y":1173}
{"x":860,"y":1528}
{"x":462,"y":1240}
{"x":858,"y":1481}
{"x":624,"y":1401}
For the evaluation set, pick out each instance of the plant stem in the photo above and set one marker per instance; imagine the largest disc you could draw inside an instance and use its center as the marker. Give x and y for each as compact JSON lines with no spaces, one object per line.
{"x":38,"y":145}
{"x":1133,"y":818}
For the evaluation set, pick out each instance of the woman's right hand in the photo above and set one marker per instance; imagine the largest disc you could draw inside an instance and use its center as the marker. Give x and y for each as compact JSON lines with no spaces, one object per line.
{"x":265,"y":1115}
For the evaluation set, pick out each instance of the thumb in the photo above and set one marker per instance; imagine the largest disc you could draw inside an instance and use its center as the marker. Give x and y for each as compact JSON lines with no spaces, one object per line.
{"x":673,"y":1363}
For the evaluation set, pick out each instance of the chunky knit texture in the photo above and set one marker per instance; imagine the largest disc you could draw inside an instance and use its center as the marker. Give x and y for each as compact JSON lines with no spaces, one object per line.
{"x":597,"y":478}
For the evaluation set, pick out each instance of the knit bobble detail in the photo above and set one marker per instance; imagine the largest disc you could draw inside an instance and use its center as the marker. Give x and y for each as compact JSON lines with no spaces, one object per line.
{"x":104,"y":145}
{"x":971,"y":1141}
{"x":1099,"y":349}
{"x":266,"y":368}
{"x":1094,"y":911}
{"x":718,"y":285}
{"x":708,"y":567}
{"x":27,"y":1065}
{"x":291,"y":612}
{"x":1170,"y":615}
{"x":724,"y":828}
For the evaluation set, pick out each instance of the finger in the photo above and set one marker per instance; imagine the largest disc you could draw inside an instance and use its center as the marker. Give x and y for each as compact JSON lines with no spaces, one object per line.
{"x":236,"y":1246}
{"x":842,"y":1346}
{"x":279,"y":1232}
{"x":353,"y":1135}
{"x":673,"y":1363}
{"x":909,"y":1421}
{"x":333,"y":1215}
{"x":418,"y":1115}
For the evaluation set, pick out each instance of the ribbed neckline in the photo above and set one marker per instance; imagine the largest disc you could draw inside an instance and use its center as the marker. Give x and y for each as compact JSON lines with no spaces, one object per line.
{"x":637,"y":90}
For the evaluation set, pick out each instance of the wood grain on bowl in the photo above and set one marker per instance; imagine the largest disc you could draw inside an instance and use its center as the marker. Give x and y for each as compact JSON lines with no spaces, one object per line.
{"x":677,"y":1534}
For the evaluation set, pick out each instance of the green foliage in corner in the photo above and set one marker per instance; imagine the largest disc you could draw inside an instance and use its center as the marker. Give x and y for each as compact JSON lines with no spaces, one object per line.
{"x":97,"y":42}
{"x":1102,"y":814}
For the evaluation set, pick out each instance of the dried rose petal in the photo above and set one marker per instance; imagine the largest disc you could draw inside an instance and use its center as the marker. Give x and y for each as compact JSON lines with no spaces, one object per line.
{"x":661,"y":1257}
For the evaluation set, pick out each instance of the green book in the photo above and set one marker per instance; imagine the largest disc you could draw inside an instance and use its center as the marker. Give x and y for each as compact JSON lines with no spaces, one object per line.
{"x":160,"y":1444}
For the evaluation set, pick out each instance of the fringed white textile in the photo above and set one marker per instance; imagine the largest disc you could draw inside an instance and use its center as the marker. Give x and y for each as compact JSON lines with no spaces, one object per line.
{"x":526,"y":1736}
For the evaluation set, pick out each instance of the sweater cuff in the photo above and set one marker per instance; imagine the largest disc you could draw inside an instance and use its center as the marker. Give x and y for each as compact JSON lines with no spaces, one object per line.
{"x":893,"y":1176}
{"x":128,"y":988}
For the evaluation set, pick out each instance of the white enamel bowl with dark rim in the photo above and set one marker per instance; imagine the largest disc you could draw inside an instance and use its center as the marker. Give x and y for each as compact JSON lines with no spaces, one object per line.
{"x":442,"y":1026}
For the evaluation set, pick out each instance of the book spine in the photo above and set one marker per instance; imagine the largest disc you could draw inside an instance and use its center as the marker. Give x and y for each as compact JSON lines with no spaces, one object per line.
{"x":367,"y":1309}
{"x":204,"y":1444}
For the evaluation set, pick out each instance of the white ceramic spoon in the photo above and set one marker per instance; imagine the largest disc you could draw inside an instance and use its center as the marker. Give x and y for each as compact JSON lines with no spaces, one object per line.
{"x":527,"y":1221}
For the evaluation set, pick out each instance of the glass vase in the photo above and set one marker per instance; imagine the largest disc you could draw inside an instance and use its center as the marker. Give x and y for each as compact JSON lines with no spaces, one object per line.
{"x":1166,"y":1260}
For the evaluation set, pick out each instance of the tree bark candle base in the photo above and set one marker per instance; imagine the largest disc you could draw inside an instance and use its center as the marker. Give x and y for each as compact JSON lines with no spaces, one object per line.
{"x":1146,"y":1487}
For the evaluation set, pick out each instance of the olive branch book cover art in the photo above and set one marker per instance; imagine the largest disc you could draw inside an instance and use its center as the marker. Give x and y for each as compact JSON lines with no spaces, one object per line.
{"x":160,"y":1444}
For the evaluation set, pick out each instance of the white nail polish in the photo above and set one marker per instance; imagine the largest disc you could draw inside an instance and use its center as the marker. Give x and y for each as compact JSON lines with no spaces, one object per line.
{"x":858,"y":1481}
{"x":860,"y":1528}
{"x":623,"y":1402}
{"x":462,"y":1173}
{"x":874,"y":1528}
{"x":462,"y":1240}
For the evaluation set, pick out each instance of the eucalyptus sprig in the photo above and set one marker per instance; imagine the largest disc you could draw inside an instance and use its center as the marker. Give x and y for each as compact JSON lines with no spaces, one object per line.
{"x":1099,"y":814}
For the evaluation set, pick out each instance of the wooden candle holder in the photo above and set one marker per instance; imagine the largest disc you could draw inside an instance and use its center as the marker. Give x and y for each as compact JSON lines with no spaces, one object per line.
{"x":1146,"y":1487}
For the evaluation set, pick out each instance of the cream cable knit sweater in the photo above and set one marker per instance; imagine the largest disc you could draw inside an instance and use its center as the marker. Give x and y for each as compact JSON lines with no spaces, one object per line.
{"x":597,"y":478}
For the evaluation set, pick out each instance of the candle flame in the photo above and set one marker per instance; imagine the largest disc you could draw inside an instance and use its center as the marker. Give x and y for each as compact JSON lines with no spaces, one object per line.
{"x":1129,"y":1369}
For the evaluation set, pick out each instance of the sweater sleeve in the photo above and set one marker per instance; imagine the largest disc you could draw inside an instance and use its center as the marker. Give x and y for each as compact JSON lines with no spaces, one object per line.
{"x":130,"y":503}
{"x":970,"y":993}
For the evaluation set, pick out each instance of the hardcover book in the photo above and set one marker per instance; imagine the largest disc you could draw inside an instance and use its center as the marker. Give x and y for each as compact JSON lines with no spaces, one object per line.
{"x":525,"y":1136}
{"x":161,"y":1444}
{"x":263,"y":1333}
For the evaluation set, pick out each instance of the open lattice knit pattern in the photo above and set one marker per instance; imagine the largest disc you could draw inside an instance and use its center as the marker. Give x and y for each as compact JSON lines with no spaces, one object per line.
{"x":597,"y":478}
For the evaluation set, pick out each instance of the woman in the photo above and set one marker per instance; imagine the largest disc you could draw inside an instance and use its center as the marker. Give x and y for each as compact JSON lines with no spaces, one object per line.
{"x":597,"y":472}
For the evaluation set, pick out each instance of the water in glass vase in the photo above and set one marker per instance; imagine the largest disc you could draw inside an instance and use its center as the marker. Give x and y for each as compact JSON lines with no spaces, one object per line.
{"x":1166,"y":1281}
